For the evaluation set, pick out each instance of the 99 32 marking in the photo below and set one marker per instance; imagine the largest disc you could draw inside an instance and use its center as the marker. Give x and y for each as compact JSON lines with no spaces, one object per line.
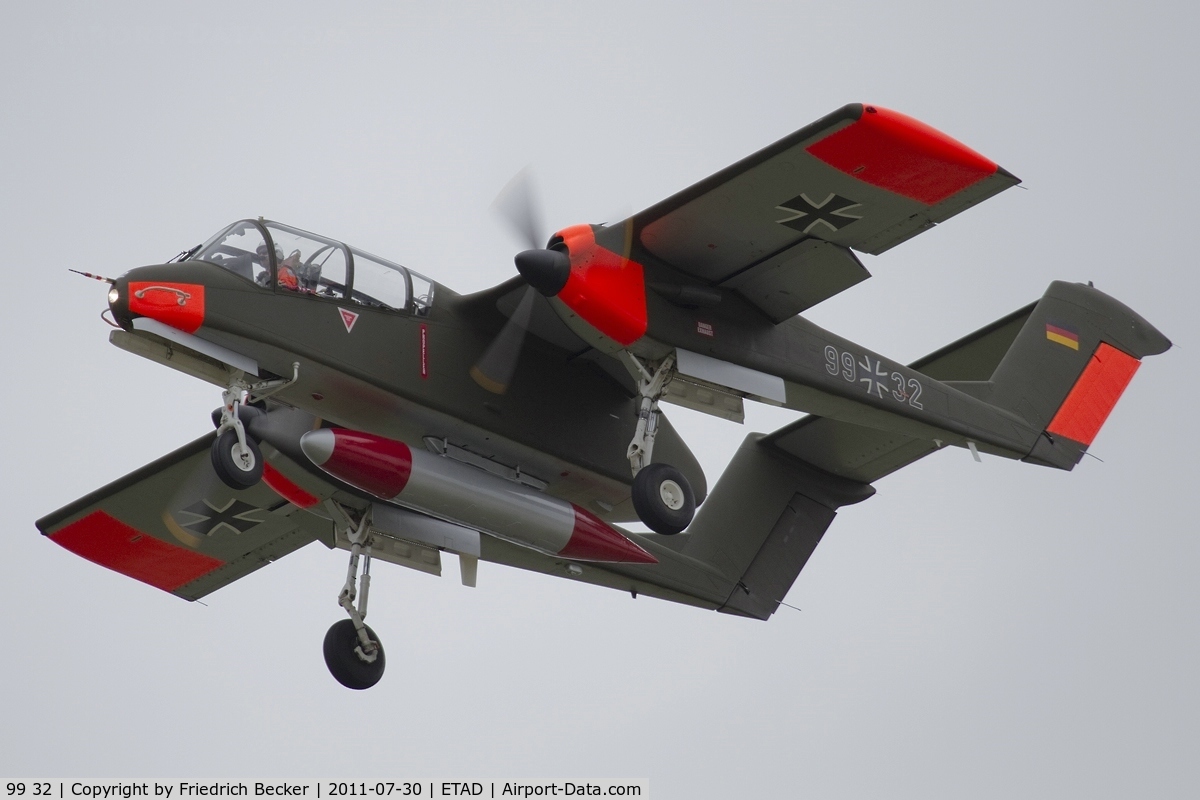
{"x":873,"y":376}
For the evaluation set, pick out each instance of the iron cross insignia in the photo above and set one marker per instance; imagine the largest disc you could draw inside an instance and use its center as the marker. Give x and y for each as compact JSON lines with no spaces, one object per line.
{"x":236,"y":516}
{"x":873,"y":375}
{"x":806,"y":214}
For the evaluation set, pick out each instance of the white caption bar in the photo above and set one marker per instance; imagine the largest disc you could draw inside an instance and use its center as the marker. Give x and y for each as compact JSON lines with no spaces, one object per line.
{"x":320,"y":790}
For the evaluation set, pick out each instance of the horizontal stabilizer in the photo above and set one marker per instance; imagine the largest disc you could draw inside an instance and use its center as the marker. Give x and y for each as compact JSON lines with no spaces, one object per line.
{"x":763,"y":520}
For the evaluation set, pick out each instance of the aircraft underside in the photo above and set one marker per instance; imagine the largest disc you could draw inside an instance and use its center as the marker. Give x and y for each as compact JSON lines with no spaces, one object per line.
{"x":368,"y":408}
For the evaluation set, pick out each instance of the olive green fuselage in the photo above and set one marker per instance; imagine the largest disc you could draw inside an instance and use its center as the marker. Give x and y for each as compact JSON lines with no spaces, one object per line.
{"x":407,"y":376}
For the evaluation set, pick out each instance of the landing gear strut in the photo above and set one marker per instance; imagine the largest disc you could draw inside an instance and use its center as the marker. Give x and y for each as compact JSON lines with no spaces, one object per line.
{"x":235,"y":456}
{"x":353,"y":652}
{"x":662,"y":496}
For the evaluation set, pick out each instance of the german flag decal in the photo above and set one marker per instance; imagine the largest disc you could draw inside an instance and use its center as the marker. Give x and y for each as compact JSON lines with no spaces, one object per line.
{"x":1062,"y":334}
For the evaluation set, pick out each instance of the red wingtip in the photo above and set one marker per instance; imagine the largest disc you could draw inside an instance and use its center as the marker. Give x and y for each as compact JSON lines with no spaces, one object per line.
{"x":109,"y":542}
{"x":896,"y":152}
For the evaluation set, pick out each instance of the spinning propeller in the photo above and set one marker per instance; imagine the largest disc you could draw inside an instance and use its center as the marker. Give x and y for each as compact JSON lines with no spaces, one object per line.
{"x":543,"y":269}
{"x":605,"y":289}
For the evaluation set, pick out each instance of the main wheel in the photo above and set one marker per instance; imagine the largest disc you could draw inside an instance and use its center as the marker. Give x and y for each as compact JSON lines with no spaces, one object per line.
{"x":663,"y":498}
{"x":344,"y":664}
{"x":237,"y":467}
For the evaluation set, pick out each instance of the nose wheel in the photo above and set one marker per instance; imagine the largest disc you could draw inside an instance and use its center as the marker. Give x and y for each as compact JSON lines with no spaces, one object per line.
{"x":237,"y":462}
{"x":345,"y":664}
{"x":235,"y":456}
{"x":353,"y":652}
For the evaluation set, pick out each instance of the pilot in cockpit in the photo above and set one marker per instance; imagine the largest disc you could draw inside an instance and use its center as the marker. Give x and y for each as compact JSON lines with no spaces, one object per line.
{"x":287,"y":272}
{"x":262,"y":263}
{"x":296,"y":275}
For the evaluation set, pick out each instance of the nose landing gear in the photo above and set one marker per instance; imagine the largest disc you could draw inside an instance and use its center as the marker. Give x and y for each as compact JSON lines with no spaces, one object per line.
{"x":353,"y":652}
{"x":236,"y":459}
{"x":235,"y":456}
{"x":341,"y":656}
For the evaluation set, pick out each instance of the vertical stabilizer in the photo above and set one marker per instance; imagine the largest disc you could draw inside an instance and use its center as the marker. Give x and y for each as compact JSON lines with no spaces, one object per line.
{"x":1068,"y":366}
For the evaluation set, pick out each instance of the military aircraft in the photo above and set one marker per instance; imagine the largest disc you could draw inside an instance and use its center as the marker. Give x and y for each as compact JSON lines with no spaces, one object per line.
{"x":373,"y":410}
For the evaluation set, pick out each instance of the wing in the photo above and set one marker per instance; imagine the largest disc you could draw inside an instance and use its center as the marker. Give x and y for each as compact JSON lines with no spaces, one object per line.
{"x":867,"y":454}
{"x":174,"y":525}
{"x":779,"y":226}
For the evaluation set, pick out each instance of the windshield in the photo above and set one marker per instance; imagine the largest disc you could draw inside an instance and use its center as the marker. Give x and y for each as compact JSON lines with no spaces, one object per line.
{"x":242,"y":249}
{"x":305,"y":263}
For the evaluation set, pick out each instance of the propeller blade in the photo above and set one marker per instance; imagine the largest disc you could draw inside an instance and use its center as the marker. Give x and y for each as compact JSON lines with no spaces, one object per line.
{"x":495,"y":368}
{"x":517,"y":205}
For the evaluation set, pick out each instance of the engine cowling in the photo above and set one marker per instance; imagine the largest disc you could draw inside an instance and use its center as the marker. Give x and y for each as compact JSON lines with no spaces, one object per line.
{"x":603,"y":288}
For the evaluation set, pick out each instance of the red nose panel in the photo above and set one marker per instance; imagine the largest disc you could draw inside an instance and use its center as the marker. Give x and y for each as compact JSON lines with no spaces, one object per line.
{"x":892,"y":151}
{"x":605,"y":289}
{"x":105,"y":540}
{"x":180,"y":305}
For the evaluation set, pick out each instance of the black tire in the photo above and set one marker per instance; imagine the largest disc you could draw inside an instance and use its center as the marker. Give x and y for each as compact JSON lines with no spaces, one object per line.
{"x":234,"y":472}
{"x":663,"y":498}
{"x":344,"y":664}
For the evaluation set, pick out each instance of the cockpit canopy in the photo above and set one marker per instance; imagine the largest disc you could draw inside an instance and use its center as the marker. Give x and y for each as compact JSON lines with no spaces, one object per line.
{"x":279,"y":256}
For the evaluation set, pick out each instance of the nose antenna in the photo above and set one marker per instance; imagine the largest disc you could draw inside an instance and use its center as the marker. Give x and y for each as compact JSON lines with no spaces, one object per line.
{"x":109,"y":281}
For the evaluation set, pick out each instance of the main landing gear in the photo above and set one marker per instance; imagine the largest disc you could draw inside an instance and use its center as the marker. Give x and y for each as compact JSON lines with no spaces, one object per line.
{"x":662,"y":496}
{"x":353,"y":652}
{"x":235,"y":456}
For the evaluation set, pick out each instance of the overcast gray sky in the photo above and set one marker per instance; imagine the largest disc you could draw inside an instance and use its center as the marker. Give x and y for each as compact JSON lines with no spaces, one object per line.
{"x":984,"y":630}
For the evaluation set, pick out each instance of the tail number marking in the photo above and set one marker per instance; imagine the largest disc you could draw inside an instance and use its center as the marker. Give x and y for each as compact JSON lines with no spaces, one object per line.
{"x":873,"y":375}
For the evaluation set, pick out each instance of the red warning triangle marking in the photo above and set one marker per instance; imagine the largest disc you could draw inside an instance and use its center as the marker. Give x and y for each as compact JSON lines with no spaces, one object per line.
{"x":348,"y":318}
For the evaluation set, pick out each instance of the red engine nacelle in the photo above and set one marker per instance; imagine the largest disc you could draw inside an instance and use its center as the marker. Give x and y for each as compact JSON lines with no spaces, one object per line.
{"x":604,"y":288}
